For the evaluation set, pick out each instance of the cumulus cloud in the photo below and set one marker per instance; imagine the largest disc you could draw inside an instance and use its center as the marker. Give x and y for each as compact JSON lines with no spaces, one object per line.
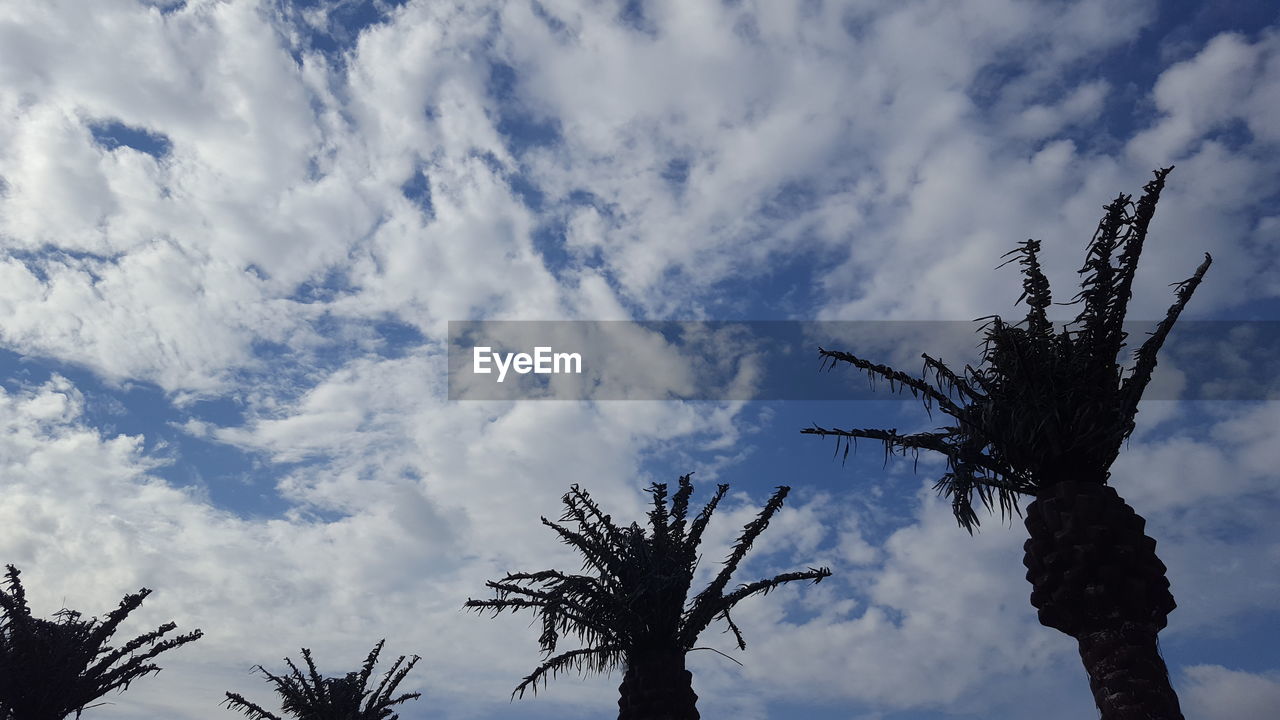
{"x":1214,"y":692}
{"x":424,"y":516}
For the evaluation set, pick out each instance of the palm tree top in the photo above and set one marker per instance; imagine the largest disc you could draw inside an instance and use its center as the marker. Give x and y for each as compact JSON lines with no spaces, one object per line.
{"x":313,"y":697}
{"x":1043,"y":406}
{"x":634,"y":596}
{"x":52,"y":668}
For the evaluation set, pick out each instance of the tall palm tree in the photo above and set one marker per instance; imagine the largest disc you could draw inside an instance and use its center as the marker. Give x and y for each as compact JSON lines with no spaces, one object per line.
{"x":312,"y":697}
{"x":1045,"y":416}
{"x":52,"y":668}
{"x":631,"y":610}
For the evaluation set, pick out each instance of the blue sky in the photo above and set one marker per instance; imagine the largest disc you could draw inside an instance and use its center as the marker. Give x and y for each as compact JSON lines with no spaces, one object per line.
{"x":232,"y":234}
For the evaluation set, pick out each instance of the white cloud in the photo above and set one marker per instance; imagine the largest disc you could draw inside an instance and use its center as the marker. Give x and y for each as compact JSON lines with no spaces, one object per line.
{"x":775,"y":162}
{"x":450,"y":498}
{"x":1082,"y":105}
{"x":1226,"y":80}
{"x":1215,"y":692}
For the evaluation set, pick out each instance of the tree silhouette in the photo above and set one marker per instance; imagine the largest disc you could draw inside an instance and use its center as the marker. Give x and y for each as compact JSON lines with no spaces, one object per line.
{"x":312,"y":697}
{"x":631,"y":610}
{"x":52,"y":668}
{"x":1046,"y":415}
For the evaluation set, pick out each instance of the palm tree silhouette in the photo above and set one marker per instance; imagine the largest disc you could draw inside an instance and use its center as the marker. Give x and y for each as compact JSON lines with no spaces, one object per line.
{"x":632,"y":611}
{"x":312,"y":697}
{"x":1046,"y":416}
{"x":50,"y":669}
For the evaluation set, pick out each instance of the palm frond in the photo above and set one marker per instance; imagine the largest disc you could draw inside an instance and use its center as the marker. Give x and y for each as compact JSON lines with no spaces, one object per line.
{"x":311,"y":696}
{"x":636,"y":601}
{"x":1035,"y":287}
{"x":704,"y":516}
{"x":595,"y":660}
{"x":721,"y":607}
{"x":680,"y":506}
{"x":704,"y":603}
{"x":235,"y":701}
{"x":366,"y":670}
{"x":380,"y":698}
{"x":52,"y":668}
{"x":1145,"y":356}
{"x":1042,"y":406}
{"x":896,"y":378}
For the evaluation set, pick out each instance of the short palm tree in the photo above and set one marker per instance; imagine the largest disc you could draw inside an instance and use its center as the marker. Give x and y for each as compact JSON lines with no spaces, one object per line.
{"x":631,"y":610}
{"x":312,"y":697}
{"x":1046,"y":415}
{"x":50,"y":669}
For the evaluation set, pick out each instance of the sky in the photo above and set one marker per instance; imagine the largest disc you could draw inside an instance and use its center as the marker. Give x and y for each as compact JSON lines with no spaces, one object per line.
{"x":233,"y":234}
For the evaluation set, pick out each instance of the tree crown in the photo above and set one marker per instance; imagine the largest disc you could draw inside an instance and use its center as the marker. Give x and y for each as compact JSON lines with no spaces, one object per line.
{"x":313,"y":697}
{"x":1043,"y":406}
{"x":634,"y":597}
{"x":52,"y":668}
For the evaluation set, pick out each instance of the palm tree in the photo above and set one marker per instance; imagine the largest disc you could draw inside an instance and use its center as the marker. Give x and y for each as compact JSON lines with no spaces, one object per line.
{"x":631,"y":610}
{"x":52,"y":668}
{"x":312,"y":697}
{"x":1046,"y":416}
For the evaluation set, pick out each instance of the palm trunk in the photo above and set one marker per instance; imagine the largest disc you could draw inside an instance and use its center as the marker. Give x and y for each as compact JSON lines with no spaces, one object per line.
{"x":1126,"y":673}
{"x":1095,"y":576}
{"x":657,"y":686}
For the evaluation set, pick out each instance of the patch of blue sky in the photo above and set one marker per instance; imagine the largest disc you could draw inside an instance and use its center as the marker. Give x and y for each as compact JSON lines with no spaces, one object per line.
{"x":111,"y":134}
{"x":553,"y":23}
{"x":315,"y":163}
{"x":234,"y":480}
{"x":417,"y":190}
{"x":781,"y":455}
{"x":1234,"y":135}
{"x":519,"y":125}
{"x":1226,"y":360}
{"x":343,"y":338}
{"x":549,"y":241}
{"x":332,"y":27}
{"x":788,"y":288}
{"x":1183,"y":27}
{"x":38,"y":261}
{"x":395,"y":338}
{"x":791,"y":288}
{"x":549,"y":236}
{"x":334,"y":283}
{"x":166,"y":7}
{"x":523,"y":130}
{"x":1267,"y":308}
{"x":526,"y":190}
{"x":676,"y":173}
{"x":337,"y":341}
{"x":1178,"y":30}
{"x":632,"y":15}
{"x":1228,"y":644}
{"x":239,"y":481}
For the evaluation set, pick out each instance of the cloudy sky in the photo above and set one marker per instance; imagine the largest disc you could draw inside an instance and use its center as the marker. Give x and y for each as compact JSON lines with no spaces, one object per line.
{"x":233,"y":232}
